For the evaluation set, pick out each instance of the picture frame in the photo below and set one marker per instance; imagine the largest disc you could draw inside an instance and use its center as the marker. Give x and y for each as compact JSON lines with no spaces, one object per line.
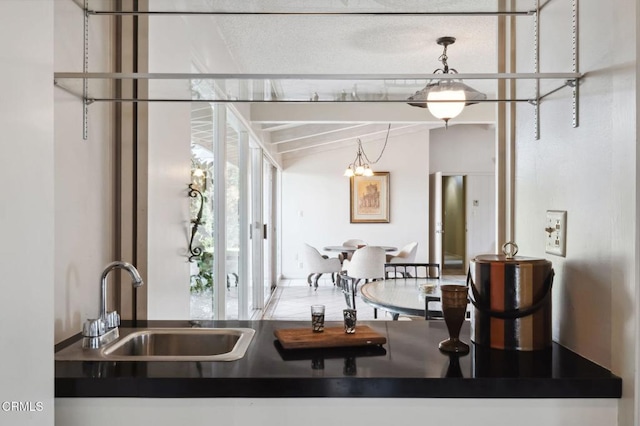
{"x":369,"y":198}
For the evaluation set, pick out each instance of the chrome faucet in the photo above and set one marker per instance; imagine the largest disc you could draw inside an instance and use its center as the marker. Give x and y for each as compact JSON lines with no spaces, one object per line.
{"x":104,"y":329}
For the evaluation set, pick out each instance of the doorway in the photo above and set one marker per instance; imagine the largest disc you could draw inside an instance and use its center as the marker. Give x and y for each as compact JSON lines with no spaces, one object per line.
{"x":462,"y":219}
{"x":454,"y":227}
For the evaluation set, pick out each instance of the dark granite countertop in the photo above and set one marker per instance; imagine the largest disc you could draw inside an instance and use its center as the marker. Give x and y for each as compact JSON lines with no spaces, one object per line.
{"x":409,"y":365}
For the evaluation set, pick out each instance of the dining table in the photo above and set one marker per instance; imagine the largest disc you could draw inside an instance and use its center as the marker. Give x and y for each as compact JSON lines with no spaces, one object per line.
{"x":406,"y":295}
{"x":346,"y":250}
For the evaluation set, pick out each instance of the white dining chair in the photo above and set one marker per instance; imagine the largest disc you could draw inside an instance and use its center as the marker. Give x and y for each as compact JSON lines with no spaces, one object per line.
{"x":354,"y":242}
{"x":406,"y":255}
{"x":367,"y":263}
{"x":318,"y":264}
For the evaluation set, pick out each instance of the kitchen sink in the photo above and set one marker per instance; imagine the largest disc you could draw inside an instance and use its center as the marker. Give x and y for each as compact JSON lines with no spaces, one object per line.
{"x":182,"y":344}
{"x":170,"y":344}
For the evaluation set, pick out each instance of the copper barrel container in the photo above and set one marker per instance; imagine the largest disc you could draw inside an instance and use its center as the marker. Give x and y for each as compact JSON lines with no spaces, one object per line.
{"x":511,"y":296}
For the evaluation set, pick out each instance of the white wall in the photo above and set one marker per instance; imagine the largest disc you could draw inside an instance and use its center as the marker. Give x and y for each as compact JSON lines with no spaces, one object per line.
{"x":591,"y":172}
{"x":169,"y":174}
{"x":463,"y":149}
{"x":27,"y":210}
{"x":315,"y":200}
{"x":84,"y":176}
{"x":481,"y":217}
{"x":328,"y":411}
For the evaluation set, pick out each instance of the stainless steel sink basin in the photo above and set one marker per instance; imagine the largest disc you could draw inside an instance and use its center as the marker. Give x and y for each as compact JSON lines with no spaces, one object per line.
{"x":170,"y":344}
{"x":185,"y":344}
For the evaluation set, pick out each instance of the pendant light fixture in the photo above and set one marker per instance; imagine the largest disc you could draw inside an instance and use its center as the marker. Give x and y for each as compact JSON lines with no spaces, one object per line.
{"x":446,"y":98}
{"x":360,"y":166}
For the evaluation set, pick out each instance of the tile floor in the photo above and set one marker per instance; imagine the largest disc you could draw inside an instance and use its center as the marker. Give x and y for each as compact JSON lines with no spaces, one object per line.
{"x":292,"y":300}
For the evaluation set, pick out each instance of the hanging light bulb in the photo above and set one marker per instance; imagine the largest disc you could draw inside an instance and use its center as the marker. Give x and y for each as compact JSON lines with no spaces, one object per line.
{"x":446,"y":98}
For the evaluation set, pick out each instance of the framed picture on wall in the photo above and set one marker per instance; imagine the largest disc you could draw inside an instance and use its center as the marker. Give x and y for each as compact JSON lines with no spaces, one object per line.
{"x":370,"y":198}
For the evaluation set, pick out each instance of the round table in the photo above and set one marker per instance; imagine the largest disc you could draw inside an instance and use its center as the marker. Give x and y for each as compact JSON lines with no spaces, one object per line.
{"x":351,"y":249}
{"x":404,"y":295}
{"x":346,"y":250}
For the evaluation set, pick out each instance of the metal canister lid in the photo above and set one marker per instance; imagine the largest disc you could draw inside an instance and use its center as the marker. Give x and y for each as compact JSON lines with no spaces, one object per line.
{"x":509,"y":250}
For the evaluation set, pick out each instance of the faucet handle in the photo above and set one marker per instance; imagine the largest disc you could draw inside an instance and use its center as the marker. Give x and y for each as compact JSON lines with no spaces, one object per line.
{"x":93,"y":328}
{"x":112,"y":320}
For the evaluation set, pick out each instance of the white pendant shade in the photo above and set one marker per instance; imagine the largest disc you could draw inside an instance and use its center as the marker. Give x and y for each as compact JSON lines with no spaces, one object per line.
{"x":446,"y":110}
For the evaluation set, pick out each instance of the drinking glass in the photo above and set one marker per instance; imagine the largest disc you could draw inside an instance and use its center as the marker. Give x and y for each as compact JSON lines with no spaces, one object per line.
{"x":349,"y":320}
{"x":317,"y":318}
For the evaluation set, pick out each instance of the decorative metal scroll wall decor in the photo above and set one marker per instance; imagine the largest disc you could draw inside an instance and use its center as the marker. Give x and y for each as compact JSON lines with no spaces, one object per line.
{"x":195,"y":223}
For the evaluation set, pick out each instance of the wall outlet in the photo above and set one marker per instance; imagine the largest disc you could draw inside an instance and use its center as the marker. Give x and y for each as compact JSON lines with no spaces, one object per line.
{"x":556,"y":232}
{"x":300,"y":265}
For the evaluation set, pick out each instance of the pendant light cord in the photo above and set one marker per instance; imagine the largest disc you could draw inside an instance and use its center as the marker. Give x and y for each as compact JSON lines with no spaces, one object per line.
{"x":381,"y":152}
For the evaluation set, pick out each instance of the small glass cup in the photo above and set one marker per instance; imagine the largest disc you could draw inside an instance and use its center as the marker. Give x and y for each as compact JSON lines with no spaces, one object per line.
{"x":350,"y":316}
{"x":317,"y":318}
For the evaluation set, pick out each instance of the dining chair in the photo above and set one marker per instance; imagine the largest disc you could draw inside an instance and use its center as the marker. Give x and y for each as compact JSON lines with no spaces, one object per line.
{"x":367,"y":263}
{"x":351,"y":243}
{"x":429,"y":271}
{"x":318,"y":264}
{"x":406,"y":255}
{"x":411,"y":270}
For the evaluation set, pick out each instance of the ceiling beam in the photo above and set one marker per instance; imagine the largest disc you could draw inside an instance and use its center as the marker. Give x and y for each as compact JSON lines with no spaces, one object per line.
{"x":414,"y":128}
{"x":375,"y":131}
{"x":339,"y":112}
{"x":278,"y":126}
{"x":313,"y":130}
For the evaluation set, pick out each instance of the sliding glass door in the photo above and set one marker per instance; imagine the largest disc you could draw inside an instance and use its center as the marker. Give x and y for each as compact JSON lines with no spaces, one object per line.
{"x":268,"y":220}
{"x":237,"y":186}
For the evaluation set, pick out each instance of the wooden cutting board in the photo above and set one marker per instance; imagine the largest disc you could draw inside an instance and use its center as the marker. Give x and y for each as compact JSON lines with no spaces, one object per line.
{"x":331,"y":337}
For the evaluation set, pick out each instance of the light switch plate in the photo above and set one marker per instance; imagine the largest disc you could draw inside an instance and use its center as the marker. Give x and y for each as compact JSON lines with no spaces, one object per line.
{"x":556,"y":232}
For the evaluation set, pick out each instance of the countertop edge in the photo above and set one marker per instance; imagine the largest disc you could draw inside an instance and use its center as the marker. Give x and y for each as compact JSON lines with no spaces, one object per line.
{"x":339,"y":387}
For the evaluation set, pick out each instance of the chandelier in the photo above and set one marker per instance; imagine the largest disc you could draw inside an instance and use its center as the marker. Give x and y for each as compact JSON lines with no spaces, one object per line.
{"x":360,"y":166}
{"x":446,"y":98}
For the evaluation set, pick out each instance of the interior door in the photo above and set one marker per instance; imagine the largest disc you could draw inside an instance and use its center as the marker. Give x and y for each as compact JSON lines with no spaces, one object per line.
{"x":436,"y":227}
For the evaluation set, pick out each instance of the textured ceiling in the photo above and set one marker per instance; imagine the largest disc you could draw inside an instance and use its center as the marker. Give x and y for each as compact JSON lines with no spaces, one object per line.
{"x":354,"y":44}
{"x":357,"y":44}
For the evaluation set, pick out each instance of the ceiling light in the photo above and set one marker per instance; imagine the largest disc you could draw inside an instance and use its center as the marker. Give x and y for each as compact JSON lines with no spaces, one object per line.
{"x":446,"y":98}
{"x":360,"y":166}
